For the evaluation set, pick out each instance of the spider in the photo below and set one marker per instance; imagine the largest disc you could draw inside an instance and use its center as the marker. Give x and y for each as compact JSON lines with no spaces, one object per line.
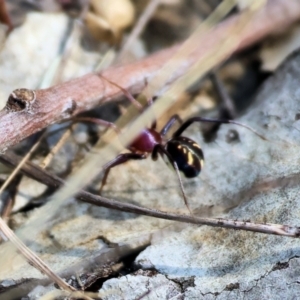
{"x":184,"y":154}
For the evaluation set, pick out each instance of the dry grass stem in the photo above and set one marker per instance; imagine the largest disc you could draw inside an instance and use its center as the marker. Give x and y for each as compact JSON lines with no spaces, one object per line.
{"x":138,"y":28}
{"x":32,"y":258}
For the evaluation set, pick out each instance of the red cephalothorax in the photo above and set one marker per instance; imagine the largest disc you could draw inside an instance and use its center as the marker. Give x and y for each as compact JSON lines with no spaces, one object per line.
{"x":146,"y":141}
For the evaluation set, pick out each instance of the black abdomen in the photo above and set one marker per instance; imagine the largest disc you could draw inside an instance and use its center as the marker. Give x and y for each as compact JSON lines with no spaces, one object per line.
{"x":187,"y":154}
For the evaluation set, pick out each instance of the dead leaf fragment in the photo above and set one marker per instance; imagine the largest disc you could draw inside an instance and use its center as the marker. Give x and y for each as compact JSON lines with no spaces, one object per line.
{"x":275,"y":50}
{"x":108,"y":18}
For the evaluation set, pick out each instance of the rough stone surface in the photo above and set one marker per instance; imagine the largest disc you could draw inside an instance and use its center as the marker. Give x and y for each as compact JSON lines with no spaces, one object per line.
{"x":32,"y":53}
{"x":28,"y":52}
{"x":145,"y":286}
{"x":263,"y":178}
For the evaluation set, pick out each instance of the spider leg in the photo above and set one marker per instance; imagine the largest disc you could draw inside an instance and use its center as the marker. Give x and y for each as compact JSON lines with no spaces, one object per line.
{"x":190,"y":121}
{"x":154,"y":154}
{"x":153,"y":126}
{"x":159,"y":149}
{"x":169,"y":124}
{"x":223,"y":94}
{"x":97,"y":121}
{"x":126,"y":93}
{"x":132,"y":99}
{"x":149,"y":104}
{"x":120,"y":159}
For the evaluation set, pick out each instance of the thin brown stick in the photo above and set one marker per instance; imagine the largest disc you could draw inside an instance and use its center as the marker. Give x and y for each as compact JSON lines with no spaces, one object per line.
{"x":65,"y":100}
{"x":47,"y":178}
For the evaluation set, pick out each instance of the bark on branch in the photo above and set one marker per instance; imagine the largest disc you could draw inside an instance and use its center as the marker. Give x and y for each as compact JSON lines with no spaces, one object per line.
{"x":29,"y":111}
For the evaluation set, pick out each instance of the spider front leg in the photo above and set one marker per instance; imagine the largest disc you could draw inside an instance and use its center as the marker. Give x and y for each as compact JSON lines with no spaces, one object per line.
{"x":159,"y":149}
{"x":120,"y":159}
{"x":170,"y":124}
{"x":99,"y":122}
{"x":133,"y":101}
{"x":190,"y":121}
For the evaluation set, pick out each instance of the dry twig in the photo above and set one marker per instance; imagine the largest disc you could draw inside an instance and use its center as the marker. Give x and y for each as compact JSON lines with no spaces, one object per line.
{"x":47,"y":178}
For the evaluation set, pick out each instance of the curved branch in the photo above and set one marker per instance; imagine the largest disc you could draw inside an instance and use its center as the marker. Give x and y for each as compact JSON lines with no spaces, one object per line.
{"x":65,"y":100}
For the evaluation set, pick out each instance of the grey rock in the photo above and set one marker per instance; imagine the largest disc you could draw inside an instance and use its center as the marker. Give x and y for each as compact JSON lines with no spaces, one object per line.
{"x":262,"y":186}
